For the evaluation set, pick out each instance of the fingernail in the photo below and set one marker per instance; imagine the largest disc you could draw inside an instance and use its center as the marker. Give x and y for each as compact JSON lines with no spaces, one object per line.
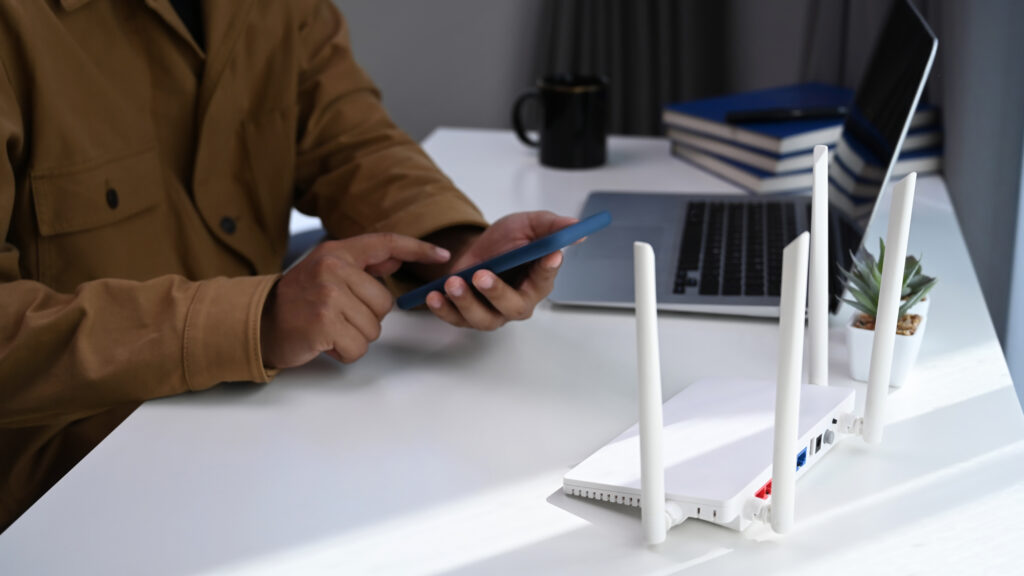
{"x":442,"y":253}
{"x":485,"y":281}
{"x":455,"y":289}
{"x":434,"y":300}
{"x":554,"y":262}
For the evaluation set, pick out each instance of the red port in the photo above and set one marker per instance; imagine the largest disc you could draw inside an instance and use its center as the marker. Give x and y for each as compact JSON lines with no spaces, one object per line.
{"x":765,"y":491}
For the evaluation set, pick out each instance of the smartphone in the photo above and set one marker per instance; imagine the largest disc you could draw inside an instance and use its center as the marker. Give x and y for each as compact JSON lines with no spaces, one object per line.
{"x":512,"y":264}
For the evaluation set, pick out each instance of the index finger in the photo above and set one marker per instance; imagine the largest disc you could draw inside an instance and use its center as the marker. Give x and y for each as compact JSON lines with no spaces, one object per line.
{"x":378,"y":248}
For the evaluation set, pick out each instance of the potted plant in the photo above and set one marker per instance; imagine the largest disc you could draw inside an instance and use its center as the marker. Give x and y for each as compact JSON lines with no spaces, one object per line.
{"x":863,"y":281}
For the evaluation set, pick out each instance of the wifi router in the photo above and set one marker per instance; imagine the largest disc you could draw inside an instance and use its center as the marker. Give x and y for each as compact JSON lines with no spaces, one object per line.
{"x":718,"y":439}
{"x":735,"y":447}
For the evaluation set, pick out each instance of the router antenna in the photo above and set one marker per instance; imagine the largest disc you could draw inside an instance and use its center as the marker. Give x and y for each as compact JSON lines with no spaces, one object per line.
{"x":888,"y":308}
{"x":652,"y":464}
{"x":787,"y":392}
{"x":817,"y":305}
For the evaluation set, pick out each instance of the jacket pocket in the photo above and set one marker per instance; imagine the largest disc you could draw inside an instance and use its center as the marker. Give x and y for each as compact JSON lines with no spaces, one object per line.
{"x":98,"y":194}
{"x":92,"y":220}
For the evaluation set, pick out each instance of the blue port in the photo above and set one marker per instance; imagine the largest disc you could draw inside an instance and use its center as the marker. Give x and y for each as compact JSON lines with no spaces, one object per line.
{"x":801,"y":459}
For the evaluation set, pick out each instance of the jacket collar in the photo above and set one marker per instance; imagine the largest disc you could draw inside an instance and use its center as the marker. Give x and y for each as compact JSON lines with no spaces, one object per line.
{"x":218,"y":17}
{"x":73,"y":4}
{"x":222,"y":20}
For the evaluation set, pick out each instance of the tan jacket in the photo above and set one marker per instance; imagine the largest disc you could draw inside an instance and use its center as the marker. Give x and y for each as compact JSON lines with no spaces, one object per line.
{"x":145,"y":187}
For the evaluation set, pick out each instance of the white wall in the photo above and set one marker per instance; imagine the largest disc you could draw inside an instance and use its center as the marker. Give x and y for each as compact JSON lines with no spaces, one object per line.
{"x":446,"y":62}
{"x":982,"y":85}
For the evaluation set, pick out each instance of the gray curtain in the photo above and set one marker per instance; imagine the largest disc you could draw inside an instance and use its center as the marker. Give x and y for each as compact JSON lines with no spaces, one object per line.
{"x":655,"y":52}
{"x":652,"y":51}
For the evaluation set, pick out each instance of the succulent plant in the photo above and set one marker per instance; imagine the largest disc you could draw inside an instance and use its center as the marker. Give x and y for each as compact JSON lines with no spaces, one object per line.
{"x":866,"y":277}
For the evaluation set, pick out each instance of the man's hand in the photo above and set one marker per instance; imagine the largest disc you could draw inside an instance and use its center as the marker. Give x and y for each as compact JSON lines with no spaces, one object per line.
{"x":331,"y":301}
{"x":500,"y":302}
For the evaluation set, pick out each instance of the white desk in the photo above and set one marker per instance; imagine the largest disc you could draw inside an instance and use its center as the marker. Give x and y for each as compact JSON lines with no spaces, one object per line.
{"x":442,"y":451}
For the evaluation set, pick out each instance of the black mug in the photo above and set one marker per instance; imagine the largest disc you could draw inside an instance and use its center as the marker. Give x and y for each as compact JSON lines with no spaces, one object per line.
{"x":573,"y":129}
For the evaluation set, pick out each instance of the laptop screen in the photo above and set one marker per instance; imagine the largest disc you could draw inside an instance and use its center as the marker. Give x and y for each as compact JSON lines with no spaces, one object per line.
{"x":874,"y":131}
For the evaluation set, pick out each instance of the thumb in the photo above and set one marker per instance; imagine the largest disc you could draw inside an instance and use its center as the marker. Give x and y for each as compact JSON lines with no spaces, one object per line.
{"x":542,"y":222}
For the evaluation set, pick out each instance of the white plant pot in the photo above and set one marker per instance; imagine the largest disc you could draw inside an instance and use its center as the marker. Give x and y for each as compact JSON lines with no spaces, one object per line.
{"x":921,"y":308}
{"x":859,"y":342}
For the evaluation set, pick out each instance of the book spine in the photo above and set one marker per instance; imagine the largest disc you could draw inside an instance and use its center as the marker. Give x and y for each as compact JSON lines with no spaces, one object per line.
{"x":744,"y":179}
{"x":727,"y":132}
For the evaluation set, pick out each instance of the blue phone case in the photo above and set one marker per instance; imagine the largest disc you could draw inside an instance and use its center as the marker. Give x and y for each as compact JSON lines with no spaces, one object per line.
{"x":514,"y":258}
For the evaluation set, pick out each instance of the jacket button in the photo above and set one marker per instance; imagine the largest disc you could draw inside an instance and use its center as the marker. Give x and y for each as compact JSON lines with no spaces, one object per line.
{"x":112,"y":199}
{"x":227,"y":225}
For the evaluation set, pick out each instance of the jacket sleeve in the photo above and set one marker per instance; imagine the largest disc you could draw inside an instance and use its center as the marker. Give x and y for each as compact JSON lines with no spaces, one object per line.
{"x":355,"y":169}
{"x":67,"y":356}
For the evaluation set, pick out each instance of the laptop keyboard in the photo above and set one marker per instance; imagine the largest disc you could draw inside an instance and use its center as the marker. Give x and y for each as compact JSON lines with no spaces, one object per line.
{"x":734,"y":248}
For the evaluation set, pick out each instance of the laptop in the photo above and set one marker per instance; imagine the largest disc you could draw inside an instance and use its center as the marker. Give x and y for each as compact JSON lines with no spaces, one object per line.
{"x":722,"y":254}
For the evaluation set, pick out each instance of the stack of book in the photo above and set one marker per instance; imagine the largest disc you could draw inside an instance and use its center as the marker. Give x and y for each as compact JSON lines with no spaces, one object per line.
{"x":775,"y":156}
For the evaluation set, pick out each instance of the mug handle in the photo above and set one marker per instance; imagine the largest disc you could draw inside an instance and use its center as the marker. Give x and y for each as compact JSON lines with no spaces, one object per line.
{"x":517,"y":118}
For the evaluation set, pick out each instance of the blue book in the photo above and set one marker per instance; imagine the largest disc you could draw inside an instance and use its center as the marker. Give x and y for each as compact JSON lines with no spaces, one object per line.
{"x":748,"y":177}
{"x":861,"y":181}
{"x":858,"y":173}
{"x":707,"y":117}
{"x":926,"y":139}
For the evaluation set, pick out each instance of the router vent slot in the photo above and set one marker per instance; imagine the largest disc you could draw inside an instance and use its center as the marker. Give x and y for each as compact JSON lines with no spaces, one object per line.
{"x":603,"y":496}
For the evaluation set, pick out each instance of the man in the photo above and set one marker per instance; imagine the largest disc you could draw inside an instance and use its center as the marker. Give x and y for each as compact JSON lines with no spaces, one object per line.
{"x":151,"y":154}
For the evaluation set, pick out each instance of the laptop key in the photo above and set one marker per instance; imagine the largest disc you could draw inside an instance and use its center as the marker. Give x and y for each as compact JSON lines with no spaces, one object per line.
{"x":790,"y":223}
{"x":679,"y":286}
{"x":775,"y":231}
{"x":732,"y":282}
{"x":754,"y":266}
{"x":693,"y":234}
{"x":712,"y":258}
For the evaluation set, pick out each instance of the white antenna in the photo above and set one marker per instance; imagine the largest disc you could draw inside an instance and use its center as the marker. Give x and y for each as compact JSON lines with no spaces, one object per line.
{"x":817,"y":305}
{"x":652,"y":457}
{"x":787,"y":391}
{"x":888,"y":308}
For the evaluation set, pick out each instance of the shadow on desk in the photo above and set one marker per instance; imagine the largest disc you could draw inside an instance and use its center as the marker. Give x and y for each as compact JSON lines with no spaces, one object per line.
{"x":864,"y":500}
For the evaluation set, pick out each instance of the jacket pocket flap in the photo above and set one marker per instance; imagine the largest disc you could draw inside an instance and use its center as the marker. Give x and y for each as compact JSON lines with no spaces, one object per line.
{"x":85,"y":197}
